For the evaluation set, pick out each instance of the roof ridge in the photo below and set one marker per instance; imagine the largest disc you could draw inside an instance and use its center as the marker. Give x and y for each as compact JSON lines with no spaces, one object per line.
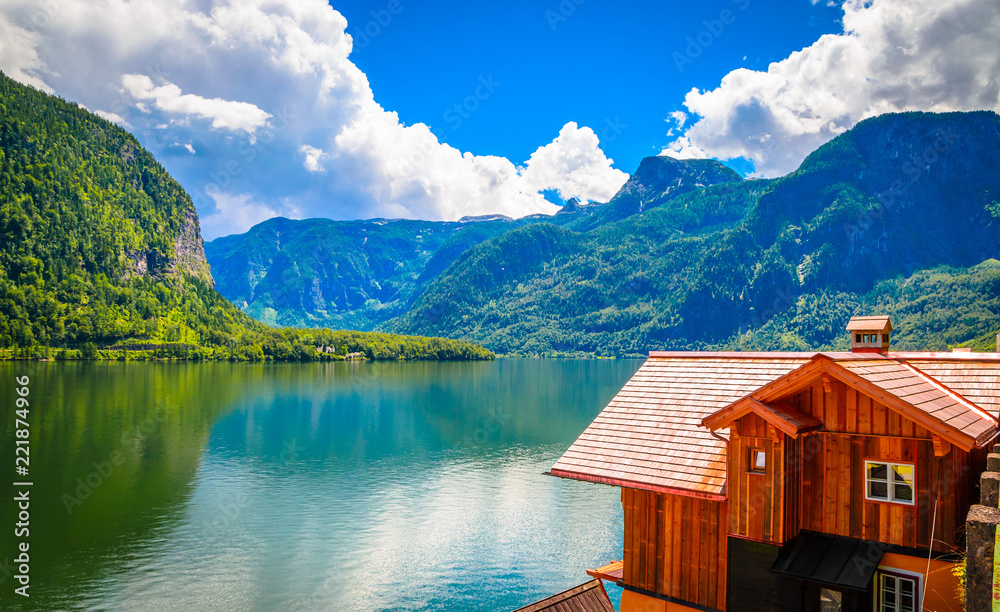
{"x":948,"y":391}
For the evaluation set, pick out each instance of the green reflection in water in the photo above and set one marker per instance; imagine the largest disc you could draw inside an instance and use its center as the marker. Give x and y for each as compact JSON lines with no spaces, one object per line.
{"x":316,"y":486}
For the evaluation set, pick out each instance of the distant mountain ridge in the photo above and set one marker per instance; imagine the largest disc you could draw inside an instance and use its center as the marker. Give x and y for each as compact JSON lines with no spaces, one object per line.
{"x":689,"y":255}
{"x":360,"y":274}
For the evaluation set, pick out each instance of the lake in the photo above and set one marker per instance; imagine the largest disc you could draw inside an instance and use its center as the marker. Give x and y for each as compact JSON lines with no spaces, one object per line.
{"x":350,"y":486}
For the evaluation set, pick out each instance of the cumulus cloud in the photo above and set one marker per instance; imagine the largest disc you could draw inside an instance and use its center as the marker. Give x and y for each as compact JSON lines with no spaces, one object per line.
{"x":113,"y":118}
{"x":248,"y":82}
{"x":236,"y":213}
{"x":574,"y":165}
{"x":894,"y":55}
{"x":312,"y":156}
{"x":225,"y":114}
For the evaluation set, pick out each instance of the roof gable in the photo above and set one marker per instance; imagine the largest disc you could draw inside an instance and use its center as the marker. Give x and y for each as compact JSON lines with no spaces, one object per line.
{"x":894,"y":383}
{"x":651,"y":435}
{"x":786,"y":418}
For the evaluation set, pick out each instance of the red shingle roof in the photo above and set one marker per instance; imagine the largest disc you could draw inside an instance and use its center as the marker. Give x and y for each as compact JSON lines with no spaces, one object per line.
{"x":923,"y":392}
{"x":977,"y":382}
{"x":651,"y":435}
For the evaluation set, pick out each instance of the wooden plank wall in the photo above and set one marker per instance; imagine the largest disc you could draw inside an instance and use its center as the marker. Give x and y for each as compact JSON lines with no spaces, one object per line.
{"x":757,"y":510}
{"x":833,"y":495}
{"x":676,"y":546}
{"x":823,"y":476}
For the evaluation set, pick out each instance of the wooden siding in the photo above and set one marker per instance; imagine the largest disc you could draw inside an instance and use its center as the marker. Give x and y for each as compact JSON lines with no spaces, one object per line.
{"x":675,"y":546}
{"x":817,"y":481}
{"x":757,"y":506}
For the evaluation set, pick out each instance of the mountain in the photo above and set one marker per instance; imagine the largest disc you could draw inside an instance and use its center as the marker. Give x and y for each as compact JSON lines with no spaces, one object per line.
{"x":900,"y":203}
{"x":341,"y":274}
{"x":657,"y":181}
{"x":361,"y":274}
{"x":101,"y":248}
{"x":897,"y":215}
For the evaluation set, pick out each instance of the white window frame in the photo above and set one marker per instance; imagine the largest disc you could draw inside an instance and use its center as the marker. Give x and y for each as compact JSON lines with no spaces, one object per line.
{"x":890,"y":489}
{"x":898,"y":573}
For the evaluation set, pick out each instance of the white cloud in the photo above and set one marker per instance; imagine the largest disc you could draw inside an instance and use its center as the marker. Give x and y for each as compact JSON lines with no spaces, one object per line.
{"x":19,"y":55}
{"x":312,"y":156}
{"x":113,"y":118}
{"x":683,"y":149}
{"x":236,"y":213}
{"x":225,"y":114}
{"x":267,"y":76}
{"x":894,"y":55}
{"x":574,"y":165}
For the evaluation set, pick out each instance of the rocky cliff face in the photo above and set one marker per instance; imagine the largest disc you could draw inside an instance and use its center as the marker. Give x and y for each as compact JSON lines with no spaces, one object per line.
{"x":189,"y":250}
{"x":188,"y":255}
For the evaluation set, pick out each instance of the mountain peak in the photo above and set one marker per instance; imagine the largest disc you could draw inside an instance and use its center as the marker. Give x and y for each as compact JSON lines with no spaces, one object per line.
{"x":660,"y":176}
{"x":658,"y":180}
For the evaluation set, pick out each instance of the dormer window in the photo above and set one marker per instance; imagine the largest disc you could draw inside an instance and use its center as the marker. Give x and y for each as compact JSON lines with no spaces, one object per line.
{"x":758,"y":461}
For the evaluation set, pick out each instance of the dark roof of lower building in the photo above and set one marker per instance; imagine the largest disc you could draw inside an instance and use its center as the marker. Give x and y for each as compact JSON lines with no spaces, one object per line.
{"x":587,"y":597}
{"x":833,"y":560}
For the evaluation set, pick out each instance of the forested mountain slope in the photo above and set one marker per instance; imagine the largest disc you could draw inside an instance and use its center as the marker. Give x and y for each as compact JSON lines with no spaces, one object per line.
{"x":894,"y":215}
{"x":100,"y":247}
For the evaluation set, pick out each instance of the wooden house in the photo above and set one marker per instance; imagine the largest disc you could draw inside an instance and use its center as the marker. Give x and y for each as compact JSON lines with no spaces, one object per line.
{"x":794,"y":481}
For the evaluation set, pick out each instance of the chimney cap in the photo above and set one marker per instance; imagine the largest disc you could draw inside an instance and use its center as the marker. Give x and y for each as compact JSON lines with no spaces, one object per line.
{"x":879,"y":323}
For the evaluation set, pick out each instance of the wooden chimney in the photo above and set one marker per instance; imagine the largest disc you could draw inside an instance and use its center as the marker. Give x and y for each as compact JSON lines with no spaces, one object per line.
{"x":869,"y":334}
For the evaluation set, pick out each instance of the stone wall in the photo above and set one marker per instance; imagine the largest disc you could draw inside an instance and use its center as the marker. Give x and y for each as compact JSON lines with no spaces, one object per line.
{"x":980,"y":538}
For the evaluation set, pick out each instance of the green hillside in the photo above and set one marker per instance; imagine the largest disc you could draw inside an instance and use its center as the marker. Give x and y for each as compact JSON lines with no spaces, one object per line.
{"x":893,"y":216}
{"x":360,"y":274}
{"x":100,"y":250}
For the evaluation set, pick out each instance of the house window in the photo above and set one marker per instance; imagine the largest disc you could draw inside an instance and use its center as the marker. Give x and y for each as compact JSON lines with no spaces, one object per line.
{"x":830,"y":600}
{"x":889,"y":482}
{"x":866,"y":338}
{"x":758,"y":461}
{"x":885,"y":338}
{"x":857,"y":338}
{"x":897,"y":592}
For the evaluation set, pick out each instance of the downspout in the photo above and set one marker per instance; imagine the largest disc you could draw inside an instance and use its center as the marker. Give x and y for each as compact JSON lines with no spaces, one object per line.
{"x":726,"y":442}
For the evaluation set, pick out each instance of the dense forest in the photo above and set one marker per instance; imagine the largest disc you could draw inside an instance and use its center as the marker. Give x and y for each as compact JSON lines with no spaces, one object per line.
{"x":101,"y":256}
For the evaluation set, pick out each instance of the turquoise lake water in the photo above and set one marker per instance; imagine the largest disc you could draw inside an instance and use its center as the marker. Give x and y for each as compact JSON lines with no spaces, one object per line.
{"x":364,"y":486}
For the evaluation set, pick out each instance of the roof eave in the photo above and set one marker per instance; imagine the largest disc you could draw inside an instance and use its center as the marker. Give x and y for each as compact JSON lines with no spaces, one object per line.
{"x":642,"y":486}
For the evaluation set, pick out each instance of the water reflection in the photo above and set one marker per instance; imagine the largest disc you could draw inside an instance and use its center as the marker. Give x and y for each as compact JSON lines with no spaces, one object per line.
{"x":322,"y":486}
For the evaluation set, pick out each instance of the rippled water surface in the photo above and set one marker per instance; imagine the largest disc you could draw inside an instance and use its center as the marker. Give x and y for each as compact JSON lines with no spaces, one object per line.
{"x":414,"y":486}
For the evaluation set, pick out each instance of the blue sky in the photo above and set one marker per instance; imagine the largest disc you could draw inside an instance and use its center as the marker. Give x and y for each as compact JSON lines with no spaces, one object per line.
{"x":596,"y":63}
{"x":403,"y":108}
